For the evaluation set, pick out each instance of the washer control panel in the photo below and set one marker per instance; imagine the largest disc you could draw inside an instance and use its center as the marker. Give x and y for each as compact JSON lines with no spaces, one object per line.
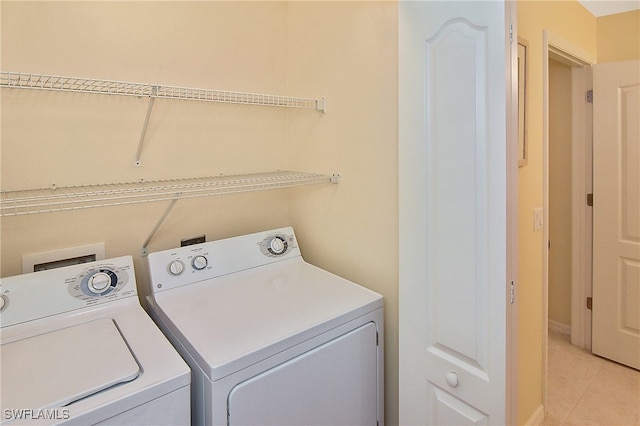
{"x":41,"y":294}
{"x":98,"y":281}
{"x":190,"y":264}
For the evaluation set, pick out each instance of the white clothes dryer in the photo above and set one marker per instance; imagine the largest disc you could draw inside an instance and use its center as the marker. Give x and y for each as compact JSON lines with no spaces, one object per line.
{"x":270,"y":338}
{"x":76,"y":347}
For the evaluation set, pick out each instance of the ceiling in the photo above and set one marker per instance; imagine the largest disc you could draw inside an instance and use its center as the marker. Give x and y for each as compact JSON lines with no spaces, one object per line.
{"x":609,"y":7}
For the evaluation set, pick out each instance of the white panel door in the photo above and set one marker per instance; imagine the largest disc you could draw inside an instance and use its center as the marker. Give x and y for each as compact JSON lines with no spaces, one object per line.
{"x":616,"y":212}
{"x":453,"y":88}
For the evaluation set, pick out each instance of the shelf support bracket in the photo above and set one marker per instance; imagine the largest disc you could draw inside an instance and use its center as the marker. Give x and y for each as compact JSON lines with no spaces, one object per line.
{"x":144,"y":251}
{"x":152,"y":97}
{"x":321,"y":105}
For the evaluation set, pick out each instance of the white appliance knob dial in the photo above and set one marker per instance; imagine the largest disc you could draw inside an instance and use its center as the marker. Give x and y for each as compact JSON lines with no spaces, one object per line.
{"x":2,"y":302}
{"x":176,"y":267}
{"x":99,"y":282}
{"x":277,"y":245}
{"x":199,"y":262}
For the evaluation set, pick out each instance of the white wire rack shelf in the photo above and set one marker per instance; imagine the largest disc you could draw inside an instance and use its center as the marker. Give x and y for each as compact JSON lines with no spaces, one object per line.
{"x":20,"y":80}
{"x":52,"y":199}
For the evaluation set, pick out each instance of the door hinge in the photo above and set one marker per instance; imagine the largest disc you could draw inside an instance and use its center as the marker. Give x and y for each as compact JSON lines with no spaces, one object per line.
{"x":512,"y":292}
{"x":589,"y":96}
{"x":590,"y":303}
{"x":510,"y":31}
{"x":590,"y":200}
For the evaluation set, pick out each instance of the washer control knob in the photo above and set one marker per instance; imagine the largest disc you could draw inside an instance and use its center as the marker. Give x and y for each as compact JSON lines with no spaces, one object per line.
{"x":2,"y":302}
{"x":199,"y":262}
{"x":99,"y":282}
{"x":176,"y":267}
{"x":278,"y":245}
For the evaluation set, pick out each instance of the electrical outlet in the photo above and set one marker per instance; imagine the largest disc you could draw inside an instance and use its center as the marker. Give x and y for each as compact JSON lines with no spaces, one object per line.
{"x":538,"y":218}
{"x":193,"y":240}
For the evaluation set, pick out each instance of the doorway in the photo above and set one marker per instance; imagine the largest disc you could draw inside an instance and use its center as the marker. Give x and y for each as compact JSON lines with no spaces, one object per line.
{"x":573,"y":183}
{"x":560,"y":220}
{"x":569,"y":150}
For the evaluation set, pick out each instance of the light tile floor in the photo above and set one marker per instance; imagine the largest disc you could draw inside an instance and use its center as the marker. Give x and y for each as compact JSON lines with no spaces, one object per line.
{"x":584,"y":389}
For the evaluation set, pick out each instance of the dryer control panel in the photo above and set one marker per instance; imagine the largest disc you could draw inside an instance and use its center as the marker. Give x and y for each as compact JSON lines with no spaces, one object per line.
{"x":195,"y":263}
{"x":41,"y":294}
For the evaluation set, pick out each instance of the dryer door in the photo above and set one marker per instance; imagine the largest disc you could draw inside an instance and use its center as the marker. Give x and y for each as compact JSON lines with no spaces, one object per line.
{"x":333,"y":384}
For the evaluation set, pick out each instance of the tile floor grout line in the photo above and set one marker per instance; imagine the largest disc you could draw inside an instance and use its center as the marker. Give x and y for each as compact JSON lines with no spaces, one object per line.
{"x":584,"y":391}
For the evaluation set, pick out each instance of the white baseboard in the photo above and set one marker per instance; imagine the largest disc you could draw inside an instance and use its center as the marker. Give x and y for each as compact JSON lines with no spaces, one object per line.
{"x":537,"y":417}
{"x":559,"y":327}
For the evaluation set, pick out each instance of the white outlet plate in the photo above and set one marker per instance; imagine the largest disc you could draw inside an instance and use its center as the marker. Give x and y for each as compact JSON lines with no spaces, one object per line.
{"x":538,"y":218}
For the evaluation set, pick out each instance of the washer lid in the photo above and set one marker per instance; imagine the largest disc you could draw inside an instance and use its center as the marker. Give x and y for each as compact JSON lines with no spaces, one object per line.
{"x":57,"y":368}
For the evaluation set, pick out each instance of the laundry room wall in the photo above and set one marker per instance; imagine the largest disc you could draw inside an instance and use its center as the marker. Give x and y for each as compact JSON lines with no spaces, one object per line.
{"x":346,"y":51}
{"x":71,"y":139}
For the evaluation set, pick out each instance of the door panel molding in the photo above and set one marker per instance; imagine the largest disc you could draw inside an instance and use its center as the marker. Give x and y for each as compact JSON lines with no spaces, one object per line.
{"x":457,"y":164}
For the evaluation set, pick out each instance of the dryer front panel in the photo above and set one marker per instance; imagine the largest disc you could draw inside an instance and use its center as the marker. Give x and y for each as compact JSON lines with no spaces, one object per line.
{"x":335,"y":383}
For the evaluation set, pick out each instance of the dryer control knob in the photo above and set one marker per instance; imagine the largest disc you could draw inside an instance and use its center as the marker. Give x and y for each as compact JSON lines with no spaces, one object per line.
{"x":2,"y":302}
{"x":199,"y":262}
{"x":176,"y":267}
{"x":99,"y":282}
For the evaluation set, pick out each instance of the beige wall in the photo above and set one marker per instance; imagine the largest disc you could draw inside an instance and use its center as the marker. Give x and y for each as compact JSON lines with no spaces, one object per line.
{"x":559,"y":193}
{"x":347,"y":51}
{"x":569,"y":20}
{"x":619,"y":37}
{"x":344,"y":51}
{"x":70,"y":138}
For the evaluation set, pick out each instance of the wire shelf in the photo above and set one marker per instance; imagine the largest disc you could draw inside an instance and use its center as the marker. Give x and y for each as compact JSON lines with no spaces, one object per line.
{"x":52,"y":199}
{"x":109,"y":87}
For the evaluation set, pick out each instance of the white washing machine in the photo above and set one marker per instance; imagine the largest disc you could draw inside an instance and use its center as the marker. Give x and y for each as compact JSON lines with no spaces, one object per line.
{"x":76,"y":347}
{"x":270,"y":338}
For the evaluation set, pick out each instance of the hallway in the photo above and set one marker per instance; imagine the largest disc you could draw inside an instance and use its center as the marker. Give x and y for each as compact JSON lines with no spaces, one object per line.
{"x":584,"y":389}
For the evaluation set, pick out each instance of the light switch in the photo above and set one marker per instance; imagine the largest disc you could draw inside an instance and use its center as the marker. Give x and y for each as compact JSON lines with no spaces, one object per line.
{"x":538,"y":218}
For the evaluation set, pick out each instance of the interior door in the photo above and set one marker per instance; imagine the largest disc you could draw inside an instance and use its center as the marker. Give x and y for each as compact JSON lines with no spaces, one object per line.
{"x":616,"y":212}
{"x":454,"y":90}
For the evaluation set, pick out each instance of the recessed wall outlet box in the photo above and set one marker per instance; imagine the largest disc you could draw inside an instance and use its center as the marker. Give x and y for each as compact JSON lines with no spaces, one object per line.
{"x":193,"y":240}
{"x":35,"y":262}
{"x":538,"y":218}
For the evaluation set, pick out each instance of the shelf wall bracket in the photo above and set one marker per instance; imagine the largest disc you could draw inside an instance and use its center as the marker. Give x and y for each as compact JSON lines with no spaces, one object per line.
{"x":152,"y":97}
{"x":322,"y":105}
{"x":145,"y":246}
